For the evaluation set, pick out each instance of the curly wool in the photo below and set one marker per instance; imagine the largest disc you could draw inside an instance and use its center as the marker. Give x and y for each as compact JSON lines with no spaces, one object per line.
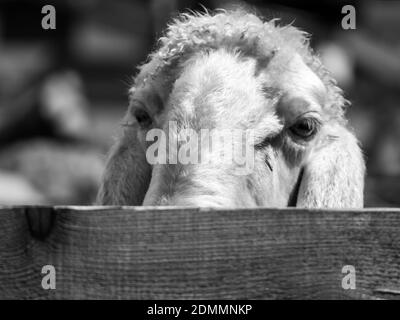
{"x":237,"y":31}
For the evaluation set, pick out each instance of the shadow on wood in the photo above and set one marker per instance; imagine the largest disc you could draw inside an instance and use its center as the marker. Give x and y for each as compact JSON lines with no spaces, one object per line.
{"x":144,"y":253}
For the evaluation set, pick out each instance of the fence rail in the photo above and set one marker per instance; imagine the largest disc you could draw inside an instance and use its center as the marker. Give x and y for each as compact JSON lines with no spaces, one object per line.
{"x":145,"y":253}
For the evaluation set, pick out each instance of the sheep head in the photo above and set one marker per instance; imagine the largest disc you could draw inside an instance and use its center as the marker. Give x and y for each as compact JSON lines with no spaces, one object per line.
{"x":232,"y":72}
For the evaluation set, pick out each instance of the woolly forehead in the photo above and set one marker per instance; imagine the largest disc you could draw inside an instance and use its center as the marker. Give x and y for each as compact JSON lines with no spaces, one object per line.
{"x":236,"y":32}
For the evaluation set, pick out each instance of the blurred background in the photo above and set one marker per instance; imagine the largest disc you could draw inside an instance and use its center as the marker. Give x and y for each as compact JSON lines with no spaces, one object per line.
{"x":63,"y":92}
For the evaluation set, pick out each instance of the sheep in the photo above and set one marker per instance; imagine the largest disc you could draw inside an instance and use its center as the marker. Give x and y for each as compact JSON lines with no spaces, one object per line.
{"x":232,"y":70}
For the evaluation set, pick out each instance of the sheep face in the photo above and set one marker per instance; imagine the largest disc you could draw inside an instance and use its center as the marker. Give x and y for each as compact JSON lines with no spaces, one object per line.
{"x":235,"y":125}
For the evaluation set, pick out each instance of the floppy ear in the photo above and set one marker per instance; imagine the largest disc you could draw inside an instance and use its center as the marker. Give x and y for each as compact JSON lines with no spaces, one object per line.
{"x":333,"y":175}
{"x":127,"y":174}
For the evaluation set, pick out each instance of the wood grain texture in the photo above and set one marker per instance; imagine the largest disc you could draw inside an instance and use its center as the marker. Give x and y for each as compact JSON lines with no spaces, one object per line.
{"x":138,"y":253}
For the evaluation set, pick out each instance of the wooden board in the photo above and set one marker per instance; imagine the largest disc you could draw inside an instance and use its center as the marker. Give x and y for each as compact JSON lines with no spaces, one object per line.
{"x":142,"y":253}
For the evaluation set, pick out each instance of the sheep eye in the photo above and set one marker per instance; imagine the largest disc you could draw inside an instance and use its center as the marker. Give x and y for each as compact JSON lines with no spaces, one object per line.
{"x":143,"y":118}
{"x":305,"y":128}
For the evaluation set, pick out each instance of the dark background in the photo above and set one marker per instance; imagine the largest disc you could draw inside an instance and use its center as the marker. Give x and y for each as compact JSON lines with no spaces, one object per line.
{"x":64,"y":91}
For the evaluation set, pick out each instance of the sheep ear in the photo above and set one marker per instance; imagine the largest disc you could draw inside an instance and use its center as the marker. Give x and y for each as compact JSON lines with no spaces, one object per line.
{"x":127,"y":174}
{"x":333,"y":176}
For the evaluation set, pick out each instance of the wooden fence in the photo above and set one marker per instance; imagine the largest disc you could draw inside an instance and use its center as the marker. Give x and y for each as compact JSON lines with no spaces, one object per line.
{"x":142,"y":253}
